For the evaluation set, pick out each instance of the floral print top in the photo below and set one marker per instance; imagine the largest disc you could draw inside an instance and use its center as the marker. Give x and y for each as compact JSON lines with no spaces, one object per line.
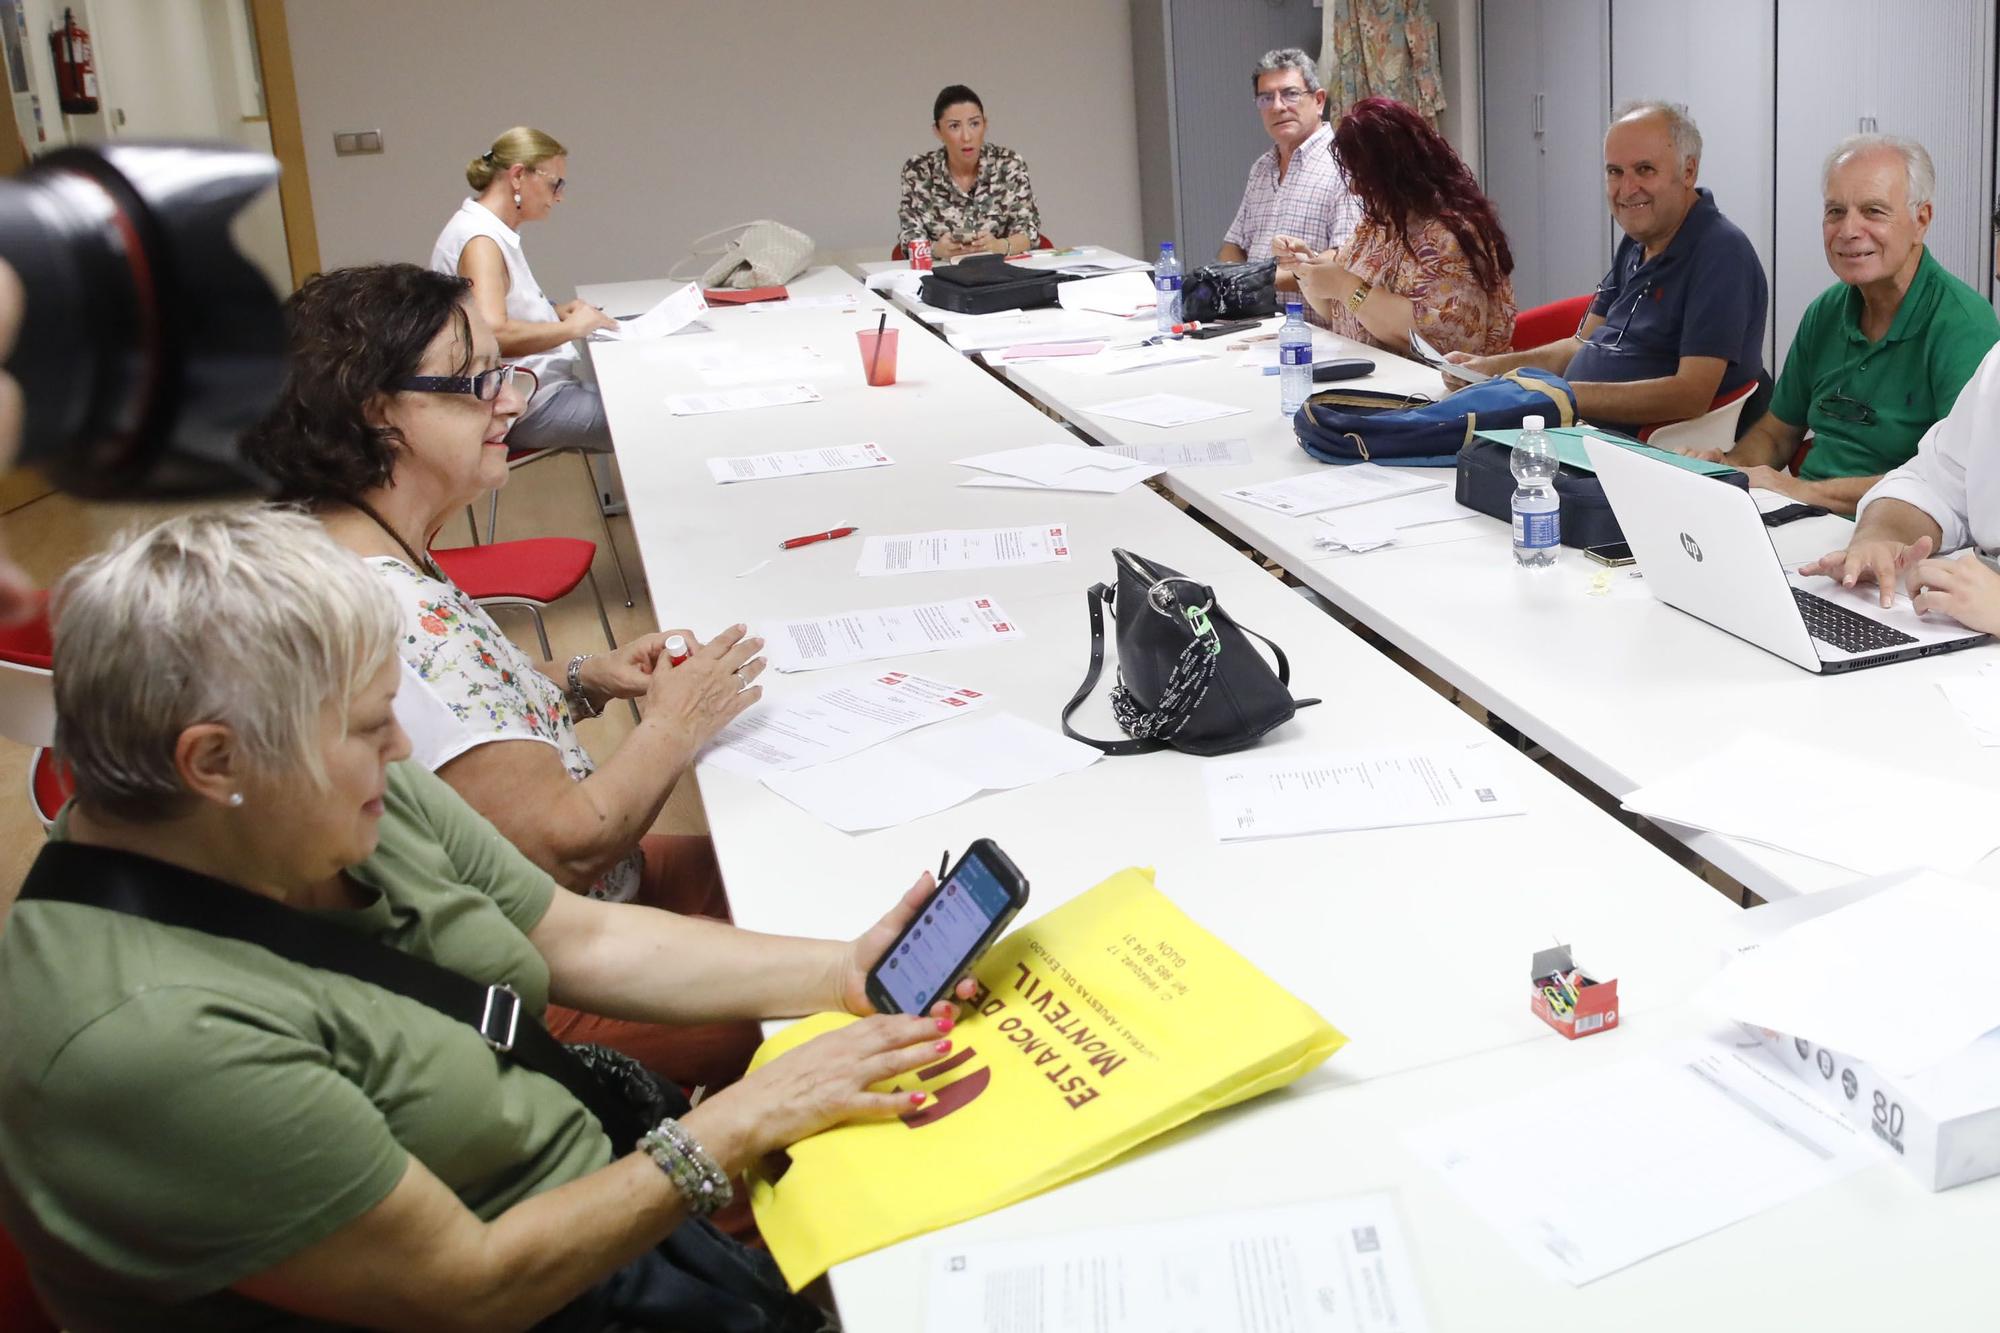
{"x":465,"y":683}
{"x":1002,"y":202}
{"x":1449,"y":307}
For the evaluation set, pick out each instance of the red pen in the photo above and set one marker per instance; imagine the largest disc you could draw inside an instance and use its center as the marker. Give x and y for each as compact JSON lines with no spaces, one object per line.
{"x":826,"y":536}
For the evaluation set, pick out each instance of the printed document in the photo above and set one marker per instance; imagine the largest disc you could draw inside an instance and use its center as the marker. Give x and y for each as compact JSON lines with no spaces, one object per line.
{"x":1145,"y":356}
{"x":1187,"y":453}
{"x":1122,"y":294}
{"x":1061,"y":467}
{"x":740,"y":400}
{"x":1337,"y":487}
{"x":895,"y":631}
{"x":799,"y":463}
{"x":1432,"y":357}
{"x":1333,"y":1266}
{"x":670,"y":315}
{"x":931,"y":770}
{"x":964,"y":548}
{"x":1425,"y":518}
{"x":1350,"y":790}
{"x":1081,"y":259}
{"x":835,"y":722}
{"x":1592,"y":1174}
{"x":1052,"y":351}
{"x":1166,"y":410}
{"x":1942,"y":932}
{"x":1831,"y":806}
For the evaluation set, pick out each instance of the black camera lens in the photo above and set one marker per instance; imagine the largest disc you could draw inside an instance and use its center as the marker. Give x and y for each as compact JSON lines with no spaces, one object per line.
{"x":148,"y":343}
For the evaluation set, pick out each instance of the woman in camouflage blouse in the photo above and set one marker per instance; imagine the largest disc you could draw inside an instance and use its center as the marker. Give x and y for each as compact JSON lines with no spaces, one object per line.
{"x":968,"y":197}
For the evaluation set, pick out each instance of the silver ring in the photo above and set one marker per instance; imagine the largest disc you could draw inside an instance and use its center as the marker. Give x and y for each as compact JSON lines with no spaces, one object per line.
{"x":741,"y":683}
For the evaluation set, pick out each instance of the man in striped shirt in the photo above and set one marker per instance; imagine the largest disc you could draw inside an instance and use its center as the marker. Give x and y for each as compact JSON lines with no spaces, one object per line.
{"x":1297,"y":187}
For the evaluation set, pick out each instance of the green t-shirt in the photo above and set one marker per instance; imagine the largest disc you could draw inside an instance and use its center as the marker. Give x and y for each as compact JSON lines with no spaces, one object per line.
{"x":1908,"y":380}
{"x":179,"y":1111}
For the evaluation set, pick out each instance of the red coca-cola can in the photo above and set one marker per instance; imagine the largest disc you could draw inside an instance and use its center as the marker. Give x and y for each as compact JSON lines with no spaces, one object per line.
{"x":920,"y":255}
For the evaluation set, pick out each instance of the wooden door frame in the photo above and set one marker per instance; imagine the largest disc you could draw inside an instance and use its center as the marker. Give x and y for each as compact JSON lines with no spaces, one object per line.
{"x":281,"y":104}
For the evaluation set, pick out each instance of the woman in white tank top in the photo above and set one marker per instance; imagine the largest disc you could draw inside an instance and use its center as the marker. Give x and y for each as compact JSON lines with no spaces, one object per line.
{"x":520,"y":179}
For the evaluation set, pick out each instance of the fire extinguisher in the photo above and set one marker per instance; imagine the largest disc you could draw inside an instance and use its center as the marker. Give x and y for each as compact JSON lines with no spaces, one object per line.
{"x":76,"y":78}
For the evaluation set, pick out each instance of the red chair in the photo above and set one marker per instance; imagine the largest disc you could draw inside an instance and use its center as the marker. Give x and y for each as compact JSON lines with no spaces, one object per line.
{"x":527,"y":574}
{"x":521,"y":458}
{"x":20,"y":1310}
{"x":1042,"y":242}
{"x":28,"y":711}
{"x":1547,"y":323}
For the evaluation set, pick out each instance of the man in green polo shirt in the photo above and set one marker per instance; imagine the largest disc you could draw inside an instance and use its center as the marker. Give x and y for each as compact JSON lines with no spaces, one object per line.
{"x":1880,"y":355}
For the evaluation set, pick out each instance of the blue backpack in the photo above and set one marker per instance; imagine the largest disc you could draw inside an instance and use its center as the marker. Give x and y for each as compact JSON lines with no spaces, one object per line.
{"x":1363,"y":426}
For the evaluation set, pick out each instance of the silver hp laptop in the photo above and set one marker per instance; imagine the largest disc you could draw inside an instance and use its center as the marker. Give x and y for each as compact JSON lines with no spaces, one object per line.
{"x":1705,"y":550}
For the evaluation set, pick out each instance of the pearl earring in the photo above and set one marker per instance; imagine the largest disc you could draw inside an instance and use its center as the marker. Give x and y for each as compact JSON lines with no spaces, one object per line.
{"x":517,"y":198}
{"x":235,"y":798}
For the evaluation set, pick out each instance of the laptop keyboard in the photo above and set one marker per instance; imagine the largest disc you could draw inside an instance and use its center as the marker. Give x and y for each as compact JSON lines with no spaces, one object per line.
{"x":1849,"y":631}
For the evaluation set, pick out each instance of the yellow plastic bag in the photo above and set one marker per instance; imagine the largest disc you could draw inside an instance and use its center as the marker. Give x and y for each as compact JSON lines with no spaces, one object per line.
{"x":1104,"y":1023}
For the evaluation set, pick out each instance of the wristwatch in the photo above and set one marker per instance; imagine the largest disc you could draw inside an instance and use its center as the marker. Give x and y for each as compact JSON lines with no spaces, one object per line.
{"x":1359,"y":295}
{"x":579,"y":698}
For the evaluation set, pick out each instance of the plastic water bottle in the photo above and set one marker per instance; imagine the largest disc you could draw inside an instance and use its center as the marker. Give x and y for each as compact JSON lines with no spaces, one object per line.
{"x":1295,"y":360}
{"x":1167,"y":282}
{"x":1537,"y":508}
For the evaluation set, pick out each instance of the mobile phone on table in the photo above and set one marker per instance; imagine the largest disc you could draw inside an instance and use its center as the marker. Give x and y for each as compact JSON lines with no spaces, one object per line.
{"x":962,"y":917}
{"x":1777,"y":518}
{"x":1611,"y":553}
{"x":1346,"y":368}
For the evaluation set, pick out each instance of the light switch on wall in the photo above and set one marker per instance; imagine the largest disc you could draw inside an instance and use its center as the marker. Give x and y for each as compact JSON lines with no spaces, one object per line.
{"x":347,"y":143}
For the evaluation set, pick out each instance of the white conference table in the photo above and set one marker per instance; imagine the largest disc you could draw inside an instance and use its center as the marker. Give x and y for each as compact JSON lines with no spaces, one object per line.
{"x":1344,"y":921}
{"x":1621,"y":688}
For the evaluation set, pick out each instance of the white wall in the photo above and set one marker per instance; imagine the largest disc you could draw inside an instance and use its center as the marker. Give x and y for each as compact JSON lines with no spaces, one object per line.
{"x":682,"y":116}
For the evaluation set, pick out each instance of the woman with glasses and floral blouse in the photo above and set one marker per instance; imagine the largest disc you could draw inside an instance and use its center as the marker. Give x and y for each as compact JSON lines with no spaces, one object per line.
{"x":394,"y":416}
{"x":521,"y":179}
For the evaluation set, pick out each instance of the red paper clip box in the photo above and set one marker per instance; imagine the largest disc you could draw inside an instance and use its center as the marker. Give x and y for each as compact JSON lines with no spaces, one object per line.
{"x":1596,"y":1007}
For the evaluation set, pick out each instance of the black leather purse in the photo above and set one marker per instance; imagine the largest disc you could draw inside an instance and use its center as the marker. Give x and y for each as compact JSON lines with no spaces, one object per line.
{"x":1245,"y":290}
{"x":1188,"y":676}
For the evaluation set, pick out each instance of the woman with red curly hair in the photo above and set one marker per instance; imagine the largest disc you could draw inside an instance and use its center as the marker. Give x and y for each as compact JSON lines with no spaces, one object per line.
{"x":1429,"y":254}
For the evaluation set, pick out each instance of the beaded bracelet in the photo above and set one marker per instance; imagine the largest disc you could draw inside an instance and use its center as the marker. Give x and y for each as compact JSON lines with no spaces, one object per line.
{"x":694,"y":1173}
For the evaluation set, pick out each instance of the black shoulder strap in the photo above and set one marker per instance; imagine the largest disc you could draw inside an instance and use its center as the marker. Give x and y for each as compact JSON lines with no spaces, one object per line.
{"x":117,"y":881}
{"x":1099,"y":595}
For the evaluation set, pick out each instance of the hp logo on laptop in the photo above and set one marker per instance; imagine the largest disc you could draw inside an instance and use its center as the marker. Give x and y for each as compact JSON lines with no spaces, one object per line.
{"x":1692,"y":547}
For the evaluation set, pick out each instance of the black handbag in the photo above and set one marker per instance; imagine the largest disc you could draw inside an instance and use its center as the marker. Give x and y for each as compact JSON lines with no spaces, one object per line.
{"x":697,"y":1280}
{"x":1188,"y":676}
{"x":1244,"y":290}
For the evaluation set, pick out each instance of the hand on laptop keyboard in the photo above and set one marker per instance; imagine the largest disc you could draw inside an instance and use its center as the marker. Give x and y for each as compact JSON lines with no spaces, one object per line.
{"x":1884,"y":562}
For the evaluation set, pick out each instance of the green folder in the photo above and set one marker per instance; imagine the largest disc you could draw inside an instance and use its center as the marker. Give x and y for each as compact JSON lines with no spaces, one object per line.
{"x":1569,"y":448}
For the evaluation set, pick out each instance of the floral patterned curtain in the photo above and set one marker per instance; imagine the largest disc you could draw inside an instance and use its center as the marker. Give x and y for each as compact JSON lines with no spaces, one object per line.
{"x":1380,"y":48}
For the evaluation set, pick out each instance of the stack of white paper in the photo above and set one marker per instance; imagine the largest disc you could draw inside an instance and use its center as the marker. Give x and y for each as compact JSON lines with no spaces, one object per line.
{"x":740,"y":400}
{"x":799,"y":463}
{"x":835,"y":723}
{"x":860,"y":636}
{"x":1187,"y":453}
{"x":964,"y":548}
{"x":1060,"y":467}
{"x":670,"y":315}
{"x":1423,"y":518}
{"x":1976,"y":699}
{"x":1166,"y":410}
{"x":1827,"y":978}
{"x":1826,"y":804}
{"x":1595,"y":1173}
{"x":1121,"y":294}
{"x":1337,"y":487}
{"x":931,"y":770}
{"x":1331,"y":1266}
{"x":1083,"y":259}
{"x":1354,"y":789}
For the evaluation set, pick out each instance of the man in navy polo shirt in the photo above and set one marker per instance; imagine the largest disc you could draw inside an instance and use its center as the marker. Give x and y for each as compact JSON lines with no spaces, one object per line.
{"x":1679,"y":318}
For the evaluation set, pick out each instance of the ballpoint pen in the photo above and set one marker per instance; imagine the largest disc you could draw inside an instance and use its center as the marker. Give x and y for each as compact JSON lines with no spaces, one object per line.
{"x":807,"y":540}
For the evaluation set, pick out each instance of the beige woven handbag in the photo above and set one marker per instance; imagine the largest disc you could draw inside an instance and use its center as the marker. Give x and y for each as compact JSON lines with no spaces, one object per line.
{"x":755,"y":254}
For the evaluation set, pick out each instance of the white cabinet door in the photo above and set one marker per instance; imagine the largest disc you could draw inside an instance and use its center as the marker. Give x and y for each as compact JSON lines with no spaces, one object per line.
{"x":1671,"y":53}
{"x":1576,"y":232}
{"x":1925,"y":72}
{"x":1510,"y":144}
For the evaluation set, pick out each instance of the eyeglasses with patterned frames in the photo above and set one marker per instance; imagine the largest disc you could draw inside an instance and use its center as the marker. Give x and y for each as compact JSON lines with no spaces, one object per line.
{"x":485,"y":386}
{"x":1290,"y":96}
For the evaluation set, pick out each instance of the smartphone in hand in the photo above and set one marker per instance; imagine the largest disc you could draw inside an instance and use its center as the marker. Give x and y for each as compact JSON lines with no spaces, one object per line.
{"x":963,"y":916}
